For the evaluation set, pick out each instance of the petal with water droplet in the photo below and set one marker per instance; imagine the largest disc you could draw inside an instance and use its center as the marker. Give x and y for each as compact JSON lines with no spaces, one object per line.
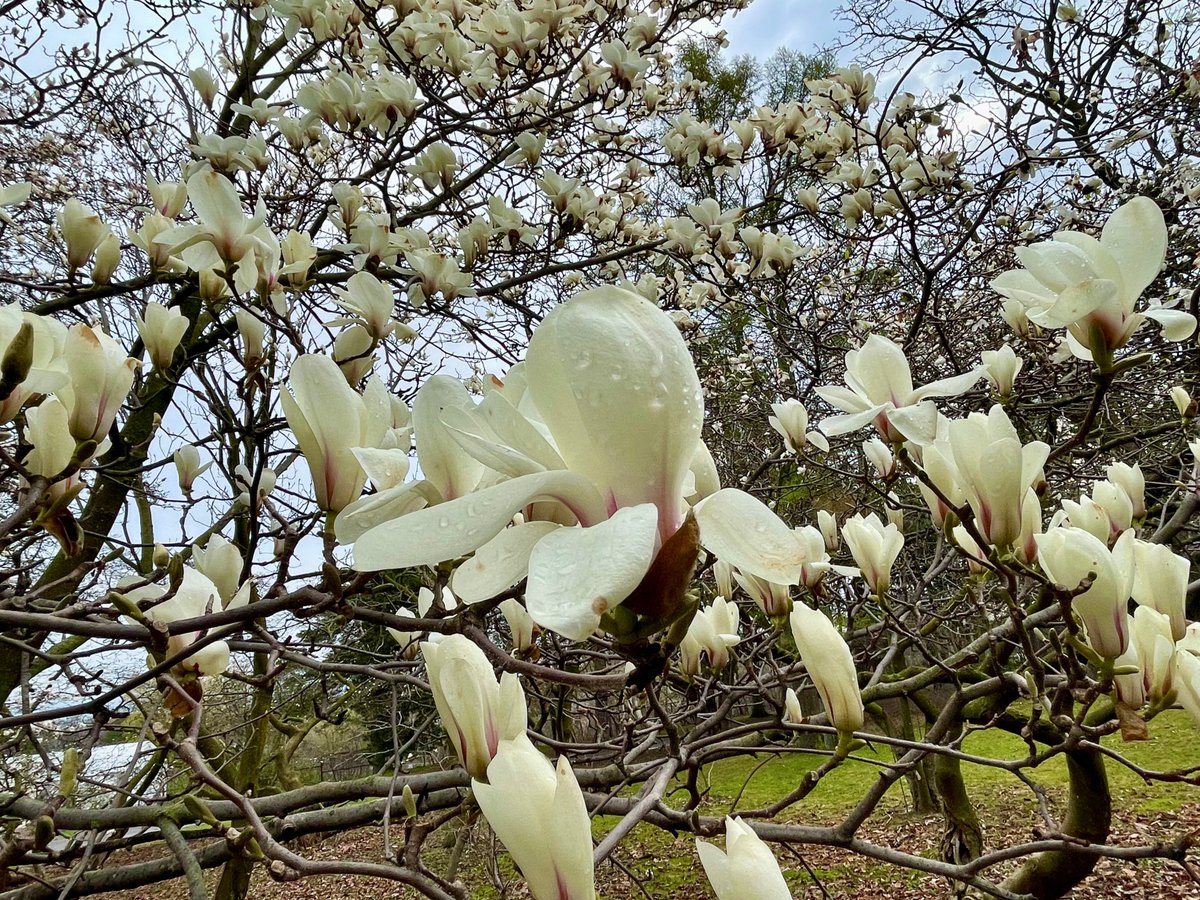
{"x":742,"y":531}
{"x":453,"y":529}
{"x":578,"y":574}
{"x":500,"y":563}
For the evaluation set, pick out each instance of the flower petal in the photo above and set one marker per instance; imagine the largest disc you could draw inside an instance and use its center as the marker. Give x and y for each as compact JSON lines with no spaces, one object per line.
{"x":948,"y":387}
{"x":742,"y":531}
{"x":500,"y":563}
{"x":517,"y":431}
{"x":442,"y":460}
{"x":578,"y":574}
{"x":373,"y":510}
{"x":1176,"y":325}
{"x":615,"y":384}
{"x":465,"y":429}
{"x":1136,"y":236}
{"x":837,"y":425}
{"x":453,"y":529}
{"x":1075,"y":302}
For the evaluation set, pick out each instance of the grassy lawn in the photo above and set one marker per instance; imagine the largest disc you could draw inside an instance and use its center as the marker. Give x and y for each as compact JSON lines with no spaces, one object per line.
{"x":671,"y":869}
{"x":1173,"y":746}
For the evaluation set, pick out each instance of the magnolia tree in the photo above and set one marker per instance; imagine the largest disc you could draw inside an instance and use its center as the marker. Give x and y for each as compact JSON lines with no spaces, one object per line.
{"x":445,"y":370}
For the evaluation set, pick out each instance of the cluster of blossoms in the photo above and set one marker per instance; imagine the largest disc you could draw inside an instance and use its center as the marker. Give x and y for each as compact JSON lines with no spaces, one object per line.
{"x":831,"y":134}
{"x":67,"y":384}
{"x":604,"y":526}
{"x":577,"y":487}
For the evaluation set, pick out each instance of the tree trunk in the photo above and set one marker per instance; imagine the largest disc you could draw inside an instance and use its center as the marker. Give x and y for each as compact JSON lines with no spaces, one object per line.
{"x":1052,"y":874}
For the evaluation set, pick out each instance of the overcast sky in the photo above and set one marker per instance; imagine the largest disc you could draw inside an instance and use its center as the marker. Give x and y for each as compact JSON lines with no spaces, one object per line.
{"x":770,"y":24}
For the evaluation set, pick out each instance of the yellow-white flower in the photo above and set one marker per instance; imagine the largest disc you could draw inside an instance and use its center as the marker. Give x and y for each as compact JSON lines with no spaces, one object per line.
{"x":712,"y":632}
{"x":746,"y":869}
{"x":477,"y":711}
{"x":874,"y":547}
{"x":537,"y":811}
{"x":830,"y":665}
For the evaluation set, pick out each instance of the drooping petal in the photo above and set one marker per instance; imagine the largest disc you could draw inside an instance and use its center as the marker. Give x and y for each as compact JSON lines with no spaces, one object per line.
{"x":578,"y":574}
{"x":837,"y":425}
{"x":1021,"y":286}
{"x":948,"y":387}
{"x":918,"y":423}
{"x":1057,"y":265}
{"x":385,"y":468}
{"x":1176,"y":324}
{"x":517,"y":431}
{"x":455,"y":528}
{"x":1104,"y":263}
{"x":742,"y":531}
{"x":468,"y":432}
{"x":844,"y":398}
{"x":500,"y":563}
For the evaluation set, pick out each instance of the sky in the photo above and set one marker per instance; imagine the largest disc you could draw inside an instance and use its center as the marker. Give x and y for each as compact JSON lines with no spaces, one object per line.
{"x":770,"y":24}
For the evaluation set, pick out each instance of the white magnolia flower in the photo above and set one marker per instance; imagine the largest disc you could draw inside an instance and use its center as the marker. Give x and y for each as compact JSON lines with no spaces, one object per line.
{"x":713,"y":631}
{"x":1091,"y":287}
{"x":875,"y":547}
{"x":879,"y":381}
{"x":790,"y":419}
{"x":1068,"y":556}
{"x":537,"y":811}
{"x":607,"y":437}
{"x":746,"y":869}
{"x":830,"y":665}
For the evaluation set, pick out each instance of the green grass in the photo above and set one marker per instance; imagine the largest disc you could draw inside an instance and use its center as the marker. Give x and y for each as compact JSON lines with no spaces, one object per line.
{"x":759,"y":781}
{"x":667,"y":865}
{"x":743,"y":783}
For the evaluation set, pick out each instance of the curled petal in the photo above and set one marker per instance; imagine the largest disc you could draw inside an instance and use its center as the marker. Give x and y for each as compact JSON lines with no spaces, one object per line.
{"x":453,"y":529}
{"x":742,"y":531}
{"x":578,"y":574}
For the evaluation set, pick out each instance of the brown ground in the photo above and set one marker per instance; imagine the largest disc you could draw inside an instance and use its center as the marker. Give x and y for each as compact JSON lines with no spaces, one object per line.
{"x":668,"y":868}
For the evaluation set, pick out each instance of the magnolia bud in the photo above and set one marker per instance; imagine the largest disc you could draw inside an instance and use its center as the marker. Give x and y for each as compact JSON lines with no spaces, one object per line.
{"x":1183,"y":402}
{"x":17,"y":360}
{"x":108,"y":257}
{"x":82,"y":230}
{"x":204,"y":84}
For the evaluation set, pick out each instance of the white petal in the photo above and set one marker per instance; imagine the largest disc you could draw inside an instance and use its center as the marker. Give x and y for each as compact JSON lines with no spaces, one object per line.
{"x":843,"y":398}
{"x":615,"y":384}
{"x":372,"y":510}
{"x":948,"y":387}
{"x":1176,"y":325}
{"x":836,"y":425}
{"x":453,"y":529}
{"x":578,"y":574}
{"x":1075,"y":302}
{"x":742,"y":531}
{"x":1057,"y":265}
{"x":500,"y":563}
{"x":385,"y":468}
{"x":517,"y":431}
{"x":466,"y":431}
{"x":1136,"y":236}
{"x":442,"y":460}
{"x":917,"y":423}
